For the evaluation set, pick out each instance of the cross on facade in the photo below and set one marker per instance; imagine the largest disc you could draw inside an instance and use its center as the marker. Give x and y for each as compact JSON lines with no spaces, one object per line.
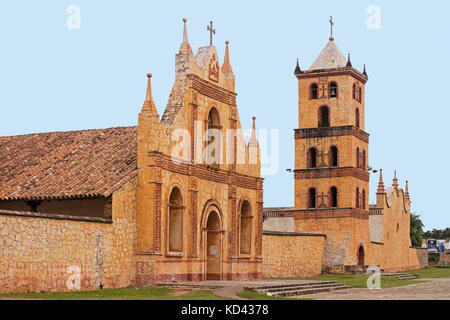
{"x":331,"y":25}
{"x":322,"y":197}
{"x":211,"y":31}
{"x":322,"y":158}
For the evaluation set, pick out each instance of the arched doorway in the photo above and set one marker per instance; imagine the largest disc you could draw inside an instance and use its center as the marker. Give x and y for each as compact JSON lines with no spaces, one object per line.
{"x":213,"y":247}
{"x":361,"y":256}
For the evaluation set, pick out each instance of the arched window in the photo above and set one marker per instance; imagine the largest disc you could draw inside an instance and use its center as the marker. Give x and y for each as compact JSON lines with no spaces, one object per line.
{"x":357,"y":117}
{"x":333,"y":156}
{"x":314,"y":91}
{"x":363,"y":199}
{"x":357,"y":198}
{"x":311,"y":198}
{"x":333,"y":90}
{"x":357,"y":157}
{"x":354,"y":91}
{"x":213,"y":153}
{"x":312,"y":158}
{"x":333,"y":198}
{"x":360,"y":94}
{"x":245,"y":228}
{"x":175,"y":221}
{"x":324,"y":116}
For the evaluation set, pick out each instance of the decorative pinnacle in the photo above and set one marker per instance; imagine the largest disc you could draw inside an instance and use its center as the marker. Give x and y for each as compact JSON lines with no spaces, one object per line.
{"x":380,"y":183}
{"x":253,"y":141}
{"x":406,"y":190}
{"x":349,"y":63}
{"x":185,"y":47}
{"x":226,"y":66}
{"x":149,"y":105}
{"x":395,"y":180}
{"x":297,"y":68}
{"x":364,"y":72}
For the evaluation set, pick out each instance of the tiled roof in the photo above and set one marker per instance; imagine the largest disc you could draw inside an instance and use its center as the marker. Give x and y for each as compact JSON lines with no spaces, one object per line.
{"x":72,"y":164}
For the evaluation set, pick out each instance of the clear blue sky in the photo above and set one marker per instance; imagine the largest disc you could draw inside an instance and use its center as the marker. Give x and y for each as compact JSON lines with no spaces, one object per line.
{"x":53,"y":78}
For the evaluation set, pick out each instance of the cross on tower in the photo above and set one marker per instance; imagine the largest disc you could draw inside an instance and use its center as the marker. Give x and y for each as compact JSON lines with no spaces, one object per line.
{"x":211,"y":31}
{"x":331,"y":26}
{"x":322,"y":158}
{"x":322,"y":197}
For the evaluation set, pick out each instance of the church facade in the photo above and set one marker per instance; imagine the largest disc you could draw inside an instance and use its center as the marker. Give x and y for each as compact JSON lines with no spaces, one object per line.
{"x":177,"y":198}
{"x":180,"y":197}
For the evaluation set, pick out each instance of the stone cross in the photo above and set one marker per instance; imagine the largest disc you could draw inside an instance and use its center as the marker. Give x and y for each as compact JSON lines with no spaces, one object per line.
{"x":331,"y":25}
{"x":211,"y":31}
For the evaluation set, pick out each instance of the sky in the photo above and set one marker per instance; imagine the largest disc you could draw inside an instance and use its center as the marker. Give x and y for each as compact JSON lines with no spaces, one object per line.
{"x":54,"y":77}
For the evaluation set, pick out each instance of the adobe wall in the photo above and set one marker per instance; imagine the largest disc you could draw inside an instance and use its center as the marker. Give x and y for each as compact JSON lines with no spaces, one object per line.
{"x":38,"y":249}
{"x":398,"y":255}
{"x":287,"y":255}
{"x":281,"y":224}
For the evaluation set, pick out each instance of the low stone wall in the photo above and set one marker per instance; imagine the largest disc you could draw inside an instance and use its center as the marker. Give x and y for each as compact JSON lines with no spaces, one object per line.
{"x":422,"y":256}
{"x":444,"y":257}
{"x":47,"y":253}
{"x":287,"y":254}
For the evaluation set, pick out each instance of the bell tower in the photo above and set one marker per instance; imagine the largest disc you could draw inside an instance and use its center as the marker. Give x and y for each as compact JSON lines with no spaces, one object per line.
{"x":331,"y":146}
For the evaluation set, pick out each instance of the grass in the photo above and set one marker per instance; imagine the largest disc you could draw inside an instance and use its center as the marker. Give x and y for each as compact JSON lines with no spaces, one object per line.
{"x":142,"y":293}
{"x":360,"y":280}
{"x":259,"y":296}
{"x":434,"y":272}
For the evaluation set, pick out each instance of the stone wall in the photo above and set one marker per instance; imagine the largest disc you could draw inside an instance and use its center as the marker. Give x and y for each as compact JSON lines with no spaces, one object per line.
{"x":422,"y":256}
{"x":288,"y":255}
{"x":280,"y":224}
{"x":444,"y":257}
{"x":42,"y":252}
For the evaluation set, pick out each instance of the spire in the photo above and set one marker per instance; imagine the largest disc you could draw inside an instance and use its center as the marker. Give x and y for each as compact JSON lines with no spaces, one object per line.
{"x":329,"y":58}
{"x":185,"y":47}
{"x":364,"y":72}
{"x":380,"y":183}
{"x":395,"y":180}
{"x":226,"y":66}
{"x":253,"y":141}
{"x":349,"y":63}
{"x":297,"y":68}
{"x":149,"y":105}
{"x":406,"y":190}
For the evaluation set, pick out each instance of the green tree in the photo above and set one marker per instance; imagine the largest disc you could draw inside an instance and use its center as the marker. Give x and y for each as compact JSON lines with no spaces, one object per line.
{"x":416,"y":230}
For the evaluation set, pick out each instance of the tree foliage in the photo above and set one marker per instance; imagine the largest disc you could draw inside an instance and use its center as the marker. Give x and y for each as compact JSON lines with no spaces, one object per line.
{"x":416,"y":230}
{"x":437,"y":234}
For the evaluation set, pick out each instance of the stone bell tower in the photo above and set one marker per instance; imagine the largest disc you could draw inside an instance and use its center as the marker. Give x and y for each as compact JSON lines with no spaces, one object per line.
{"x":331,"y":159}
{"x":331,"y":146}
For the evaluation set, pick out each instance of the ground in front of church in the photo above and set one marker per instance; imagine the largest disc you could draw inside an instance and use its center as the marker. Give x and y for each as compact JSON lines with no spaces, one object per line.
{"x":433,"y":284}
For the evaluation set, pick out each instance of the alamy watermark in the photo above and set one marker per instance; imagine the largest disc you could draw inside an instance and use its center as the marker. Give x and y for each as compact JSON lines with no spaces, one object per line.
{"x":73,"y":21}
{"x":74,"y":280}
{"x":374,"y":19}
{"x":374,"y":280}
{"x":214,"y":147}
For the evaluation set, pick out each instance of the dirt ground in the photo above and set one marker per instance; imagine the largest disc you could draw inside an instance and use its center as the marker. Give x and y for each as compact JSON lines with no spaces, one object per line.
{"x":434,"y":289}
